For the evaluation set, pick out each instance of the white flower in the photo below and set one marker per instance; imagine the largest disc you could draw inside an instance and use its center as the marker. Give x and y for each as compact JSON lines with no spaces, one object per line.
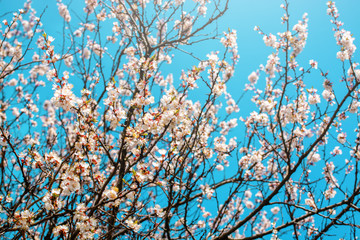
{"x":310,"y":202}
{"x":3,"y":141}
{"x":207,"y":191}
{"x":342,"y":55}
{"x":220,"y":167}
{"x":68,"y":60}
{"x":133,"y":224}
{"x":202,"y":10}
{"x":249,"y":205}
{"x":270,"y":40}
{"x":314,"y":99}
{"x":253,"y":77}
{"x":201,"y":224}
{"x":12,"y":82}
{"x":24,"y":219}
{"x":328,"y":95}
{"x":70,"y":183}
{"x":341,"y":137}
{"x":275,"y":210}
{"x":61,"y":230}
{"x":330,"y":193}
{"x":248,"y":194}
{"x":64,"y":97}
{"x":64,"y":12}
{"x":313,"y":64}
{"x":313,"y":158}
{"x":230,"y":39}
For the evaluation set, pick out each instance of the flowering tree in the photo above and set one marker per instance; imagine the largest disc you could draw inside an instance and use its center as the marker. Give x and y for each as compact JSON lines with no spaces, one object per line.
{"x":122,"y":150}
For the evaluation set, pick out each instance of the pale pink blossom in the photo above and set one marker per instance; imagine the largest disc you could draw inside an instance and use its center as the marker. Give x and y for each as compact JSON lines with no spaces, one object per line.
{"x":64,"y":12}
{"x":313,"y":64}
